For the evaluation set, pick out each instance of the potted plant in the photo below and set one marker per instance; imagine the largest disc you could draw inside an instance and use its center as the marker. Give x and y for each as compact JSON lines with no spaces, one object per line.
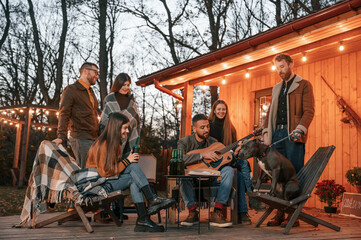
{"x":330,"y":193}
{"x":354,"y":177}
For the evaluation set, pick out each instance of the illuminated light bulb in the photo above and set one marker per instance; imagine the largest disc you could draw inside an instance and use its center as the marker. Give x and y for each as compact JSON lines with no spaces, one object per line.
{"x":21,"y":110}
{"x":99,"y":118}
{"x":224,"y":81}
{"x":50,"y":129}
{"x":47,"y":112}
{"x":205,"y":71}
{"x":247,"y":75}
{"x":39,"y":128}
{"x":31,"y":111}
{"x":57,"y":113}
{"x":11,"y":123}
{"x":17,"y":125}
{"x":341,"y":47}
{"x":5,"y":121}
{"x":273,"y":67}
{"x":3,"y":113}
{"x":12,"y":111}
{"x":304,"y":59}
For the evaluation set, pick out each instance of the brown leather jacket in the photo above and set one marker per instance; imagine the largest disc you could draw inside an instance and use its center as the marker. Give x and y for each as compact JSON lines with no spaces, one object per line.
{"x":77,"y":111}
{"x":300,"y":108}
{"x":188,"y":144}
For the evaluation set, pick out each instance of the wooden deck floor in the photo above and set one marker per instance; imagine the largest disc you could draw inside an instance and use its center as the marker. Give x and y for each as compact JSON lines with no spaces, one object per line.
{"x":350,"y":229}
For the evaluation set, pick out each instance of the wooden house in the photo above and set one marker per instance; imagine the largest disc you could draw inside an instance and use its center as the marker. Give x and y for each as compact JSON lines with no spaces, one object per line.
{"x":326,"y":43}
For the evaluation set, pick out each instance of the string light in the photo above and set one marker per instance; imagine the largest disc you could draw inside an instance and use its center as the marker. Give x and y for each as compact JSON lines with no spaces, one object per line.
{"x":47,"y":112}
{"x":5,"y":121}
{"x":247,"y":75}
{"x":57,"y":113}
{"x":224,"y":81}
{"x":39,"y":128}
{"x":50,"y":129}
{"x":341,"y":47}
{"x":304,"y":58}
{"x":273,"y":67}
{"x":17,"y":125}
{"x":21,"y":110}
{"x":12,"y":111}
{"x":11,"y":123}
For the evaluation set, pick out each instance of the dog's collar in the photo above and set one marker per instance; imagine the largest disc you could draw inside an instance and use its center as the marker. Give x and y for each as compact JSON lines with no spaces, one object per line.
{"x":263,"y":154}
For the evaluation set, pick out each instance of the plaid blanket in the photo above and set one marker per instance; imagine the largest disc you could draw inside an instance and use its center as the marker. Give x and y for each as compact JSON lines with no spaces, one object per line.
{"x":111,"y":105}
{"x":56,"y":177}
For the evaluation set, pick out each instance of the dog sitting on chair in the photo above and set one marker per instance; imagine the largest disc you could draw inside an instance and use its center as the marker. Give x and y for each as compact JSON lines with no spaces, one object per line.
{"x":284,"y":183}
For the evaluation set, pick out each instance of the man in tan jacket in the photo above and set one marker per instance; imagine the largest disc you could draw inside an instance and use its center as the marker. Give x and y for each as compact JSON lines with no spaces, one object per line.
{"x":290,"y":114}
{"x":79,"y":110}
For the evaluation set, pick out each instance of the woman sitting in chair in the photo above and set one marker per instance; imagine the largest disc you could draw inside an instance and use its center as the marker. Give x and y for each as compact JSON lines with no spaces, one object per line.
{"x":105,"y":155}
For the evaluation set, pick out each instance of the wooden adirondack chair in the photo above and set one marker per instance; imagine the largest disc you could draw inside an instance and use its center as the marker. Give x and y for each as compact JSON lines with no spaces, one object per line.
{"x":81,"y":210}
{"x":308,"y":177}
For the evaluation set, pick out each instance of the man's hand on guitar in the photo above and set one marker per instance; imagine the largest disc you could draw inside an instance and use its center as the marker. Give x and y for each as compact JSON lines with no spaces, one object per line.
{"x":210,"y":156}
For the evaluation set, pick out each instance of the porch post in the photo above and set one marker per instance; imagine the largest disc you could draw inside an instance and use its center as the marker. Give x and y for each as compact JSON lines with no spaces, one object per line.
{"x":24,"y":146}
{"x":186,"y":116}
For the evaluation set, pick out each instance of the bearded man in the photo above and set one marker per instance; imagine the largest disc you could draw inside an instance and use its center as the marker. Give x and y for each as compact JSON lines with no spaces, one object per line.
{"x":79,"y":110}
{"x":198,"y":140}
{"x":290,"y":114}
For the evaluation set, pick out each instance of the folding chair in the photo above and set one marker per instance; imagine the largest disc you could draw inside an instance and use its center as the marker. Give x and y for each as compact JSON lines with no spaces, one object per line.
{"x":81,"y":210}
{"x":308,"y":177}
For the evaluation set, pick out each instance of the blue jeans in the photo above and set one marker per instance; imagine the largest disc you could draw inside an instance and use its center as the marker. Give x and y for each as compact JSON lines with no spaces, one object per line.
{"x":80,"y":148}
{"x":244,"y":183}
{"x":132,"y":177}
{"x":224,"y":189}
{"x":293,"y":151}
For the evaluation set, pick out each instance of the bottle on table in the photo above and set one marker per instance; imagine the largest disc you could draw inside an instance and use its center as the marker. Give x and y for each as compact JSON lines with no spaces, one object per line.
{"x":173,"y":163}
{"x":180,"y":163}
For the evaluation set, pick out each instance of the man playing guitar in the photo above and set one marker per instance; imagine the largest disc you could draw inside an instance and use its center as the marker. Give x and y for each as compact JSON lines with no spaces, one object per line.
{"x":198,"y":140}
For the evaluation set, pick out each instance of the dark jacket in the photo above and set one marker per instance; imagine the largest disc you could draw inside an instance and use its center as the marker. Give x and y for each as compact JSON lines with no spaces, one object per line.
{"x":190,"y":143}
{"x":77,"y":112}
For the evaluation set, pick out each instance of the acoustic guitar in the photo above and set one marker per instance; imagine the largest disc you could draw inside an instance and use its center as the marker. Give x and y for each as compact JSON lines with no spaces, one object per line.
{"x":225,"y":156}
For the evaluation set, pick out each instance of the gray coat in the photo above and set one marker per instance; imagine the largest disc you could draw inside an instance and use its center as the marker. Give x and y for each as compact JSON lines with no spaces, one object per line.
{"x":189,"y":143}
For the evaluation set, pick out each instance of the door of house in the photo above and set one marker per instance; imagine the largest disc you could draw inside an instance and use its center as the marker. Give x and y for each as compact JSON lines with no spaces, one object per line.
{"x":262,"y":102}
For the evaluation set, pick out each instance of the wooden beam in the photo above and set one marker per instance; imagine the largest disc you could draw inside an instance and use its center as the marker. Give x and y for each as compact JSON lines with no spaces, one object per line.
{"x":187,"y":104}
{"x":17,"y":151}
{"x":24,"y":147}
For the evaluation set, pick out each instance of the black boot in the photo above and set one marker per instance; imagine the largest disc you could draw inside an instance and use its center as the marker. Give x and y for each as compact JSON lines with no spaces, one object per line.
{"x":144,"y":223}
{"x":155,"y":204}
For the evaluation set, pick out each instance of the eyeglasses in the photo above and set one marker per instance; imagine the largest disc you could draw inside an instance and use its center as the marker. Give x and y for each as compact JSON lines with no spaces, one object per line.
{"x":96,"y":71}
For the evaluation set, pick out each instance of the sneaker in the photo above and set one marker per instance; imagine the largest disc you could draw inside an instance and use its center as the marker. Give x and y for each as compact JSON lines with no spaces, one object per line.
{"x":218,"y":220}
{"x":191,"y":219}
{"x":277,"y":220}
{"x":244,"y":218}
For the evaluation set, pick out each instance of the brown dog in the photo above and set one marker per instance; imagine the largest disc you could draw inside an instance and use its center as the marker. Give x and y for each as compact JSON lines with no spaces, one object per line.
{"x":284,"y":182}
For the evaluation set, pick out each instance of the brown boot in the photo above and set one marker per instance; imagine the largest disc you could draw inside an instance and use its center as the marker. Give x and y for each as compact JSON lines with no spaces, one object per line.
{"x":277,"y":220}
{"x":191,"y":219}
{"x":218,"y":220}
{"x":285,"y":222}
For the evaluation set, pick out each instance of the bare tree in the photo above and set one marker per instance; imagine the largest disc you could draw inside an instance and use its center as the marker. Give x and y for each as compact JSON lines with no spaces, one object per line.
{"x":6,"y":10}
{"x":44,"y":88}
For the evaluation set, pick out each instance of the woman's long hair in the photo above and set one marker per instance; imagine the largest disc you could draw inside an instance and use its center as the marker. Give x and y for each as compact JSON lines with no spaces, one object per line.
{"x":228,"y":127}
{"x":112,"y":137}
{"x":119,"y":82}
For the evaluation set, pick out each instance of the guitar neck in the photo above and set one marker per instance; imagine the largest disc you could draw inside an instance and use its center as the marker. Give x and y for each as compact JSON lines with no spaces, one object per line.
{"x":234,"y":145}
